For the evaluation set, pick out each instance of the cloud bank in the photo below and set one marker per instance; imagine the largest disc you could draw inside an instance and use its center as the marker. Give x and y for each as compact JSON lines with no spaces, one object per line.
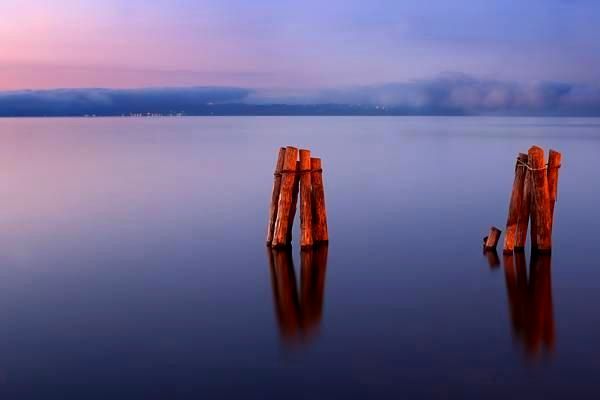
{"x":449,"y":94}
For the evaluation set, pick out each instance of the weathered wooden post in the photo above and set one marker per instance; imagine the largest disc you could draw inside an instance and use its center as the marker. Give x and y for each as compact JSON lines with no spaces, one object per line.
{"x":320,"y":232}
{"x":294,"y":202}
{"x":286,"y":194}
{"x":514,"y":207}
{"x":275,"y":195}
{"x":554,"y":162}
{"x":306,"y":229}
{"x":540,"y":205}
{"x":491,"y":240}
{"x":524,"y":210}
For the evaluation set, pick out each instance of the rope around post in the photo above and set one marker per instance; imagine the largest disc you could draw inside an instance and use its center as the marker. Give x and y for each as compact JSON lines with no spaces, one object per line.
{"x":296,"y":172}
{"x":522,"y":164}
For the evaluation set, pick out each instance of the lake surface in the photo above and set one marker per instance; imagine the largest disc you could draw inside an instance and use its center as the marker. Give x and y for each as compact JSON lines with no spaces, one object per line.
{"x":133,"y":262}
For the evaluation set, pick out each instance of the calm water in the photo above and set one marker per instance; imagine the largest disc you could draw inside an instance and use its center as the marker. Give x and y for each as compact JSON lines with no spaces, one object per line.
{"x":133,"y":262}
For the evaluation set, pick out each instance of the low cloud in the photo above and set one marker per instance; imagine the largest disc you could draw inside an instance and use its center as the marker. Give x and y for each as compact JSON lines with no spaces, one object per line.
{"x":454,"y":94}
{"x":450,"y":94}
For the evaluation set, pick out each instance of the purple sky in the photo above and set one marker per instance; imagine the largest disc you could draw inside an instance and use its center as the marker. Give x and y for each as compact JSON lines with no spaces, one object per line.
{"x":293,"y":44}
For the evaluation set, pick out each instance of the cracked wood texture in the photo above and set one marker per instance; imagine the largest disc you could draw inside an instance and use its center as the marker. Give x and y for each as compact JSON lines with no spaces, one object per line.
{"x":294,"y":203}
{"x":554,"y":161}
{"x":275,"y":195}
{"x":540,"y":205}
{"x":286,"y":194}
{"x":514,"y":207}
{"x":320,"y":232}
{"x":524,"y":210}
{"x":306,"y":230}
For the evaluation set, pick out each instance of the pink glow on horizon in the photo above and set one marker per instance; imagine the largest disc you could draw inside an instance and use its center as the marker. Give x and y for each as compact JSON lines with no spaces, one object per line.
{"x":299,"y":44}
{"x":87,"y":45}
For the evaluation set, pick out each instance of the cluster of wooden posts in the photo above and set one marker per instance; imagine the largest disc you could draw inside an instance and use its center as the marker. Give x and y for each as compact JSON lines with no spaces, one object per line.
{"x":532,"y":203}
{"x":293,"y":176}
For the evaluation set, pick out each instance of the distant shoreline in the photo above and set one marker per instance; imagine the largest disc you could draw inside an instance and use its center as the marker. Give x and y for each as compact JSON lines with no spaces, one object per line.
{"x":295,"y":115}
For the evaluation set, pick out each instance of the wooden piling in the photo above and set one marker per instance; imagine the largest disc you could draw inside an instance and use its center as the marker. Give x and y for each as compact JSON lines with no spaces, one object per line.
{"x":320,"y":232}
{"x":554,"y":161}
{"x":514,"y":207}
{"x":540,"y":205}
{"x":275,"y":195}
{"x":306,"y":230}
{"x":286,"y":194}
{"x":294,"y":202}
{"x":492,"y":239}
{"x":524,"y":211}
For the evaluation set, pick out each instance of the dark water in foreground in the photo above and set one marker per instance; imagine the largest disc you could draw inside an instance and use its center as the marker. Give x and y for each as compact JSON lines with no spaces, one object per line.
{"x":133,"y":262}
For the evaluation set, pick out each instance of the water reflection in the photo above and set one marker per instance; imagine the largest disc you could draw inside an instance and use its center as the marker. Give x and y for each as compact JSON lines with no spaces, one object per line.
{"x":492,"y":258}
{"x":530,"y":302}
{"x":298,"y":316}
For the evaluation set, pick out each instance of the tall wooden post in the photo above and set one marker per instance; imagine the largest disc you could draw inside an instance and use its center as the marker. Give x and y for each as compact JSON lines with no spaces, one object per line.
{"x":554,"y":161}
{"x":306,"y":230}
{"x":284,"y":205}
{"x":320,"y":232}
{"x":524,"y":209}
{"x":275,"y":195}
{"x":540,"y":210}
{"x":515,"y":204}
{"x":294,"y":202}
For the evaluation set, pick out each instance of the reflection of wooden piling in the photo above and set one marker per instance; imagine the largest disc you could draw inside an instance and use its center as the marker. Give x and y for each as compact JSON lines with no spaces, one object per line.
{"x":541,"y":291}
{"x":540,"y":205}
{"x":492,"y":257}
{"x":275,"y":195}
{"x":287,"y":305}
{"x":514,"y":207}
{"x":530,"y":301}
{"x":516,"y":289}
{"x":492,"y":238}
{"x":313,"y":268}
{"x":554,"y":161}
{"x":320,"y":233}
{"x":306,"y":230}
{"x":298,"y":313}
{"x":286,"y":193}
{"x":524,"y":211}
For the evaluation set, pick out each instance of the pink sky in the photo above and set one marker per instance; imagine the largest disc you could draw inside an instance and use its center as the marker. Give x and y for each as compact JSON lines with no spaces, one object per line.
{"x":271,"y":43}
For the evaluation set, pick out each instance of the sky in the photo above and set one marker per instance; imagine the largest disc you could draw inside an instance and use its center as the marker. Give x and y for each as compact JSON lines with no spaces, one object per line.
{"x":295,"y":45}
